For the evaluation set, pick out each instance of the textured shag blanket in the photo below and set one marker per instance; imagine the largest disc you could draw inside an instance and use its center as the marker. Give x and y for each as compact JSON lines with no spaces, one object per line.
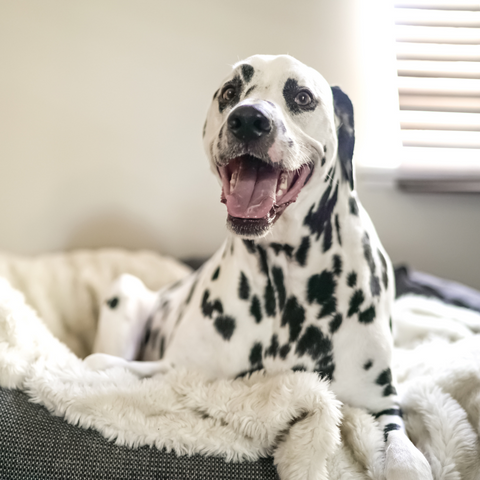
{"x":48,"y":311}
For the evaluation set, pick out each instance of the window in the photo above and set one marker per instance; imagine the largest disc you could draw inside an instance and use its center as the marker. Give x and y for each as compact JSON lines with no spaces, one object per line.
{"x":438,"y":64}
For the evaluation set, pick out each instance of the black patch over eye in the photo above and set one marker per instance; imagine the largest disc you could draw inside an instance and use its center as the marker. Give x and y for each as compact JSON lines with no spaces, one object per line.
{"x":298,"y":99}
{"x":230,"y":93}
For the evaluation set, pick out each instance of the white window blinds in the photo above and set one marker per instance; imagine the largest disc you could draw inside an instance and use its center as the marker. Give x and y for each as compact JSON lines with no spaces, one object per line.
{"x":438,"y":61}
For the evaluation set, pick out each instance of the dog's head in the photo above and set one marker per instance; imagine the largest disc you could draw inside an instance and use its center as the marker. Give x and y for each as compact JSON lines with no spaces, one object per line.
{"x":273,"y":128}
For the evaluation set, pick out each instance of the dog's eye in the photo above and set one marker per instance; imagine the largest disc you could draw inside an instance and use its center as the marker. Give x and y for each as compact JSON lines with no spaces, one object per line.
{"x":228,"y":93}
{"x":303,"y":98}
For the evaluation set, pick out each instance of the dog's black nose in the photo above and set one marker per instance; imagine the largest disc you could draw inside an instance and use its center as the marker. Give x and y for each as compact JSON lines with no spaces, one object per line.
{"x":248,"y":123}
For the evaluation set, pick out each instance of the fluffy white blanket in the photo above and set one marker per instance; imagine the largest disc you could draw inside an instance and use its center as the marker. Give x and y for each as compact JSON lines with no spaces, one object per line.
{"x":292,"y":416}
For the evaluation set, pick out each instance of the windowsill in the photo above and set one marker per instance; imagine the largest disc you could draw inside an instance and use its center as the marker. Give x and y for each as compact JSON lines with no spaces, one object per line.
{"x":428,"y":170}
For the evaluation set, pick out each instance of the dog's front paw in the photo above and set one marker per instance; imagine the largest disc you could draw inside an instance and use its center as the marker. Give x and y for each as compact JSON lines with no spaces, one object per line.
{"x":102,"y":361}
{"x":404,"y":461}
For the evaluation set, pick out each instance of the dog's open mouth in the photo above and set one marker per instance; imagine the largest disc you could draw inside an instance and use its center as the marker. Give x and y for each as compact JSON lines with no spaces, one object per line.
{"x":256,"y":193}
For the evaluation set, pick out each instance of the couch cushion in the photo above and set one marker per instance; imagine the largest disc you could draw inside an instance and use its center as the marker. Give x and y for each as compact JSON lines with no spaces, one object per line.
{"x":35,"y":444}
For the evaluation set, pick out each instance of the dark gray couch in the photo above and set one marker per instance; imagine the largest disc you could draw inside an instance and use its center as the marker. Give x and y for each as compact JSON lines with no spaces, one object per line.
{"x":35,"y":445}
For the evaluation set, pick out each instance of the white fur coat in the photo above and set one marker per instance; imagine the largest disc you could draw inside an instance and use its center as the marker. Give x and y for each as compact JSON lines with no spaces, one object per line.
{"x":292,"y":416}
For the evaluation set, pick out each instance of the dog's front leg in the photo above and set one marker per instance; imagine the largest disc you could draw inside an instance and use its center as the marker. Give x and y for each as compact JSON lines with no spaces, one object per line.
{"x":123,"y":316}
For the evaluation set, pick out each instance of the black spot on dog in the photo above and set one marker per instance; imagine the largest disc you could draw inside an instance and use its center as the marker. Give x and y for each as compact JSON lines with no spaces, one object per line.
{"x":272,"y":350}
{"x":384,"y":269}
{"x":216,"y":273}
{"x":225,"y":326}
{"x":209,"y":307}
{"x":353,"y":206}
{"x":293,"y":316}
{"x":389,"y":390}
{"x":302,"y":251}
{"x":263,"y":260}
{"x":320,"y":221}
{"x":113,"y":302}
{"x":368,"y":365}
{"x":328,"y":308}
{"x":388,"y":428}
{"x":256,"y":309}
{"x":237,"y":85}
{"x":325,"y":367}
{"x":250,"y":244}
{"x":367,"y":252}
{"x":335,"y":323}
{"x":355,"y":301}
{"x":390,"y":411}
{"x":324,"y":159}
{"x":290,"y":90}
{"x":256,"y":355}
{"x":247,"y":373}
{"x":384,"y":378}
{"x":299,"y":368}
{"x":284,"y":351}
{"x":243,"y":287}
{"x":368,"y":315}
{"x":327,"y":236}
{"x":250,"y":90}
{"x":390,"y":324}
{"x":337,"y":265}
{"x":314,"y":343}
{"x":247,"y":72}
{"x":278,"y":247}
{"x":337,"y":228}
{"x":375,"y":285}
{"x":352,"y":279}
{"x":269,"y":298}
{"x":278,"y":280}
{"x":321,"y":287}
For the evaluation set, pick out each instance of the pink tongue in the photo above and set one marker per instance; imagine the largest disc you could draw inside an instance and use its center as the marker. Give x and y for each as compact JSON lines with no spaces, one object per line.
{"x":251,"y":191}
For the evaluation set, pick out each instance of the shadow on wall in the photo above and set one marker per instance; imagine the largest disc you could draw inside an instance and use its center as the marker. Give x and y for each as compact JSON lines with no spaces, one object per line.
{"x":114,"y":229}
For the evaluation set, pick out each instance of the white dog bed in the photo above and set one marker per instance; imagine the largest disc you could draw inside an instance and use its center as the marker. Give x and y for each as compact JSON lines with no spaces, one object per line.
{"x":292,"y":416}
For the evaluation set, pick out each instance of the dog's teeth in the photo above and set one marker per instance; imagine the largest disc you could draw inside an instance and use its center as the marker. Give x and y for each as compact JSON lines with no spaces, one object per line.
{"x":282,"y":184}
{"x":233,"y":180}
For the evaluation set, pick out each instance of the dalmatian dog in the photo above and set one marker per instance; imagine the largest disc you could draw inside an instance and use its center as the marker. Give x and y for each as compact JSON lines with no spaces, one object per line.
{"x":302,"y":281}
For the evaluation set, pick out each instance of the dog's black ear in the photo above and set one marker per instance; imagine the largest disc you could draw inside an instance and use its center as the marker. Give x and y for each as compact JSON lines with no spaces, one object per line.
{"x":345,"y":132}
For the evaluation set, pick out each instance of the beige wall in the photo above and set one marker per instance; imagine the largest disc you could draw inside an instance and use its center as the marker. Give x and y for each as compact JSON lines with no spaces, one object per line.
{"x":102,"y":103}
